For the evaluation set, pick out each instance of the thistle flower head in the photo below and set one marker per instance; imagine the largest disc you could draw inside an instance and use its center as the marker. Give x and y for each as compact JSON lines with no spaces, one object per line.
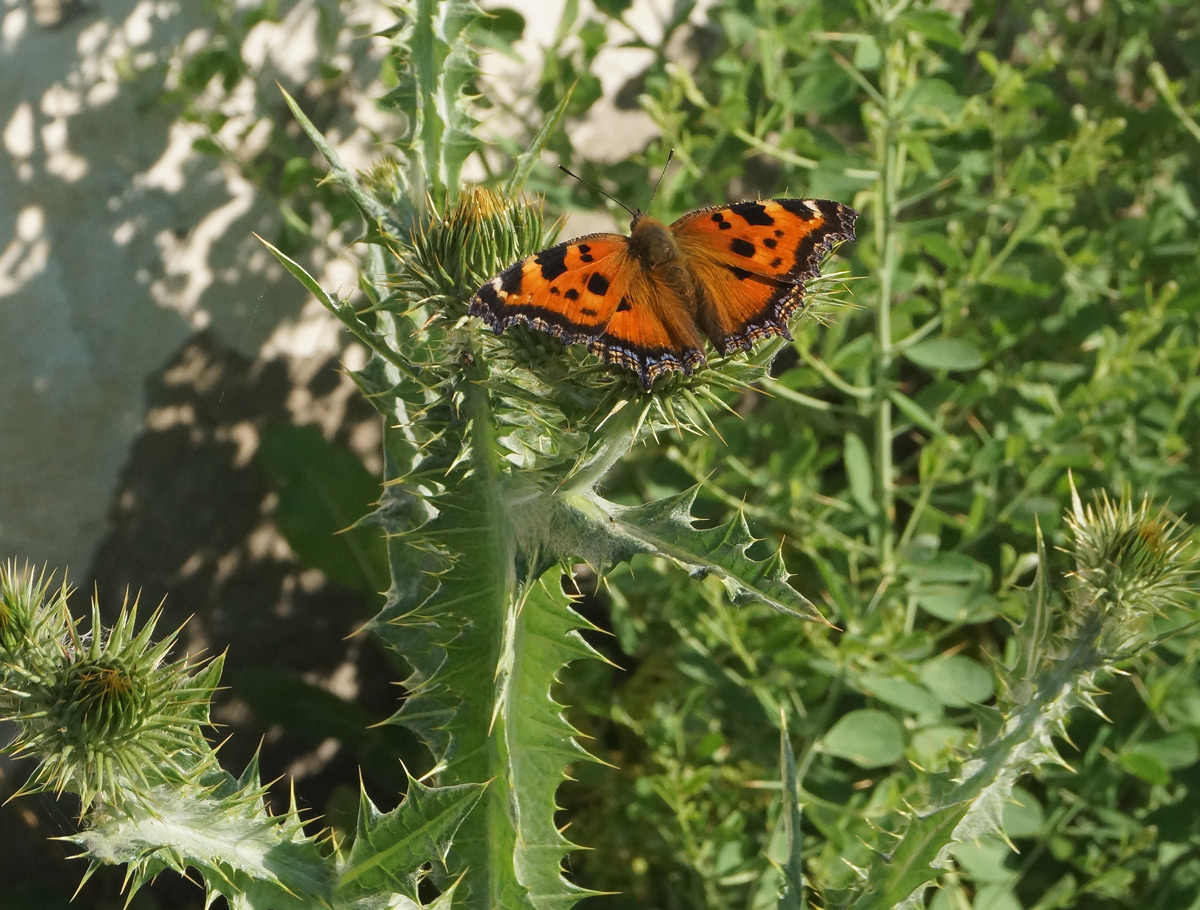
{"x":1130,"y":561}
{"x":104,"y":713}
{"x":470,"y":241}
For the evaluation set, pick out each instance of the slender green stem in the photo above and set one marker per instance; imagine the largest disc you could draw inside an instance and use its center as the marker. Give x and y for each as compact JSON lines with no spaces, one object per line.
{"x":775,"y":151}
{"x":831,"y":376}
{"x":919,"y":334}
{"x":890,"y":155}
{"x":1158,"y":76}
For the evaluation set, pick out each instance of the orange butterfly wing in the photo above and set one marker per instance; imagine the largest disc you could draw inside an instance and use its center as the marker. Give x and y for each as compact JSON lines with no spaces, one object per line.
{"x":557,"y":291}
{"x":588,"y":290}
{"x":735,"y":273}
{"x":751,"y":259}
{"x":652,"y":330}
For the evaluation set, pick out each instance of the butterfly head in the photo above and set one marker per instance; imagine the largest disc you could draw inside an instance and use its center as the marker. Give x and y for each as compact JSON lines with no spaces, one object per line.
{"x":651,"y":242}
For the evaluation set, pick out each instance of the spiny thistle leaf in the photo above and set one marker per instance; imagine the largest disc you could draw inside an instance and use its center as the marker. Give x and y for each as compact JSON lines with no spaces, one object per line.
{"x":1034,"y":633}
{"x":538,"y":741}
{"x":255,"y":860}
{"x":667,"y":528}
{"x":391,"y":849}
{"x":904,"y":873}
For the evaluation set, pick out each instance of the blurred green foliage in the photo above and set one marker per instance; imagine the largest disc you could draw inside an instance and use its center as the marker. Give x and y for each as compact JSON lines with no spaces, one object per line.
{"x":1028,"y":305}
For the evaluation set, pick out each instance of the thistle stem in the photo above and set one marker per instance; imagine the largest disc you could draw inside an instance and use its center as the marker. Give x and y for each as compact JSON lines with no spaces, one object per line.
{"x":890,"y":155}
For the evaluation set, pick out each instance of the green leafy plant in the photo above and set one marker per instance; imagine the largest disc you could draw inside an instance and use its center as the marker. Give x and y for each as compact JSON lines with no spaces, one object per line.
{"x":908,"y":460}
{"x":111,"y":721}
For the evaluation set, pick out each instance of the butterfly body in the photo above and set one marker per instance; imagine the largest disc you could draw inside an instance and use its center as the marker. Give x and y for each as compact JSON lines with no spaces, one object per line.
{"x":734,"y":274}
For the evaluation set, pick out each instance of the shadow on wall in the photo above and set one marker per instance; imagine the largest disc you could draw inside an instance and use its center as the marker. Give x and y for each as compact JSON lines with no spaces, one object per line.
{"x":193,"y":529}
{"x":140,"y":152}
{"x":193,"y":523}
{"x":126,"y":245}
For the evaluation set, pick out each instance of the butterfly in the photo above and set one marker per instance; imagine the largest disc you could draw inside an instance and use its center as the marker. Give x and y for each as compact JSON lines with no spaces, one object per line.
{"x":734,"y":273}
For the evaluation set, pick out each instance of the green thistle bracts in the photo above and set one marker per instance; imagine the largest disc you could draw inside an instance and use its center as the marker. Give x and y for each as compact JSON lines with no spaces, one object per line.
{"x":105,"y":713}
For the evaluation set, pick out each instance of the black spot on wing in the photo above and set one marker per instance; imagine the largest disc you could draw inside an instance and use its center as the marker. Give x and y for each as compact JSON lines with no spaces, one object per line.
{"x":739,"y":274}
{"x":718,"y":219}
{"x":770,"y":243}
{"x":571,"y":294}
{"x":485,"y":298}
{"x":598,"y":284}
{"x":588,"y":311}
{"x":623,"y":305}
{"x":799,"y":208}
{"x":741,"y":247}
{"x":510,"y":279}
{"x":752,"y":213}
{"x":552,"y":261}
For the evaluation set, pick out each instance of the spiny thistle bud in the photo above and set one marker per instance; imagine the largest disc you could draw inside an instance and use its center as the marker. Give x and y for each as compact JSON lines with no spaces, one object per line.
{"x":476,"y":237}
{"x":388,"y":181}
{"x":103,"y":713}
{"x":98,"y":700}
{"x":1129,"y":563}
{"x":26,"y":611}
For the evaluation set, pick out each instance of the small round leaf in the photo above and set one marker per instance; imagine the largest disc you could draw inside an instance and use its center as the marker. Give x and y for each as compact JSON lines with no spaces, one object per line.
{"x":957,"y":680}
{"x":870,"y":739}
{"x":945,"y":354}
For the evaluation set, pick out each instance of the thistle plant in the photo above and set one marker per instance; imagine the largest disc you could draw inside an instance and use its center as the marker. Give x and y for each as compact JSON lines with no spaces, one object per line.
{"x":497,"y":452}
{"x":109,"y":719}
{"x":1131,"y":564}
{"x":496,"y":448}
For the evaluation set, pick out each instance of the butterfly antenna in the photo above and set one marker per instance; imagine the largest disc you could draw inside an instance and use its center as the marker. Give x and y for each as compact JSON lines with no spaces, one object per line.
{"x":632,"y":214}
{"x":663,"y":173}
